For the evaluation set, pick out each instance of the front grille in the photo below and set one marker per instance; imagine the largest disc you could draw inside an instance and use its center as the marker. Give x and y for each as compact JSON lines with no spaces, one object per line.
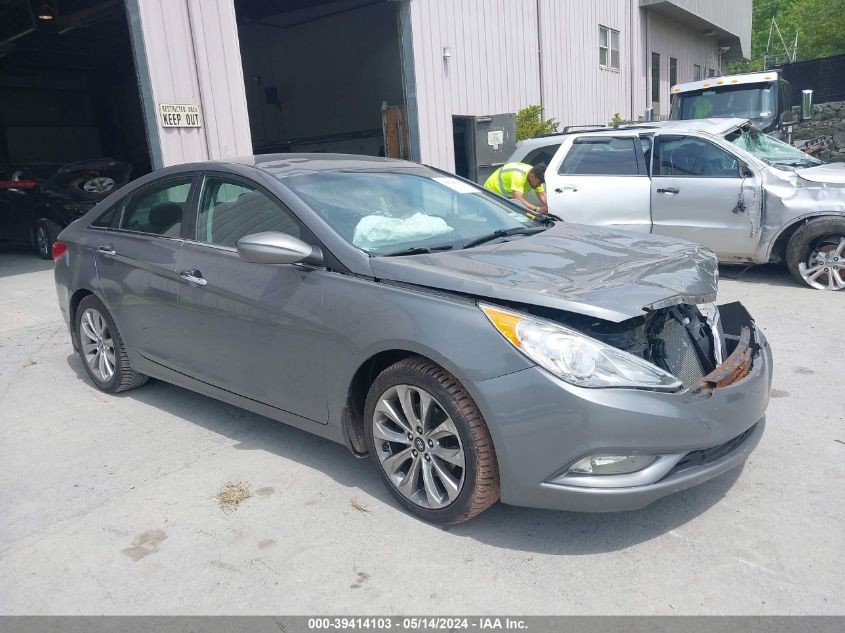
{"x":680,"y":356}
{"x":709,"y":455}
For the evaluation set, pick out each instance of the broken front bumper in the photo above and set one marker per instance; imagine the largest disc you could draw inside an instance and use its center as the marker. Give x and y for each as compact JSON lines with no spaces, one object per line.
{"x":542,"y":425}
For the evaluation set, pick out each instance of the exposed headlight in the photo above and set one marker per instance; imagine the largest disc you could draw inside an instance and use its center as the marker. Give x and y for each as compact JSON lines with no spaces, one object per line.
{"x":575,"y":357}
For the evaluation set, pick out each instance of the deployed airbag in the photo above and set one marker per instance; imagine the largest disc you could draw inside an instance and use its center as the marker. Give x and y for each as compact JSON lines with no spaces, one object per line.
{"x":377,"y":231}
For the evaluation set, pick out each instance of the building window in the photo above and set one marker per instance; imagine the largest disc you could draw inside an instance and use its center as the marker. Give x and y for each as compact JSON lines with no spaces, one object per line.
{"x":696,"y":73}
{"x":673,"y":71}
{"x":711,"y":72}
{"x":655,"y":77}
{"x":609,"y":48}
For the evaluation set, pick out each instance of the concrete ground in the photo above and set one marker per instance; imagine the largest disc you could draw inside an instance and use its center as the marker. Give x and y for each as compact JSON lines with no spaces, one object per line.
{"x":107,"y":502}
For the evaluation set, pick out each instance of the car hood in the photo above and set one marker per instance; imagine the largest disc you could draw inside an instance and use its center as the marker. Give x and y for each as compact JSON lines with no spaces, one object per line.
{"x":607,"y":274}
{"x":833,"y":173}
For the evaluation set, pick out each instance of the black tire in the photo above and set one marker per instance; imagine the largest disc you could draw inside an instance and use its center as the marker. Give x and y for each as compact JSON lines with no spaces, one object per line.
{"x":480,"y":488}
{"x":46,"y":232}
{"x":810,"y":238}
{"x":124,"y":377}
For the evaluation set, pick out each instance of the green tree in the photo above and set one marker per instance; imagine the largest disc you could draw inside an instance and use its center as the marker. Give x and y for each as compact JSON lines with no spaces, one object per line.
{"x":819,"y":24}
{"x":530,"y":123}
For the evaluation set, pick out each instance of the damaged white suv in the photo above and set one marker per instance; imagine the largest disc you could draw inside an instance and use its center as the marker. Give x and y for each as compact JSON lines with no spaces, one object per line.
{"x":719,"y":182}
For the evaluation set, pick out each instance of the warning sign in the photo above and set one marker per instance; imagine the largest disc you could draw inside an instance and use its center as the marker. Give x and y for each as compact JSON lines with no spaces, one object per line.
{"x":179,"y":115}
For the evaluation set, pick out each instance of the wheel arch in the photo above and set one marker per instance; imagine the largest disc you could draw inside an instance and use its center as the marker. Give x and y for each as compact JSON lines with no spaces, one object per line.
{"x":356,"y":395}
{"x":779,"y":243}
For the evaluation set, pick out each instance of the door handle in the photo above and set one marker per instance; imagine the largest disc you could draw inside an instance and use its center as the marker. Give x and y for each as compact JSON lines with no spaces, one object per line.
{"x":194,"y":276}
{"x":106,"y":249}
{"x":566,"y":189}
{"x":669,"y":190}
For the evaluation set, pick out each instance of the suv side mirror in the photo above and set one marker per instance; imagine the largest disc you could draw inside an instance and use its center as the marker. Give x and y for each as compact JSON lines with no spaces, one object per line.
{"x":273,"y":247}
{"x":745,"y":171}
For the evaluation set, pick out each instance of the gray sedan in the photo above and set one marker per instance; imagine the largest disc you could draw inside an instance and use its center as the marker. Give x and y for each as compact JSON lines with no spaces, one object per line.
{"x":472,"y":351}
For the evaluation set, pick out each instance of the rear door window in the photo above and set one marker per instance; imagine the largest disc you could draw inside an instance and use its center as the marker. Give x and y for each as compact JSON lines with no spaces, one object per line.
{"x":158,"y":209}
{"x":602,"y":156}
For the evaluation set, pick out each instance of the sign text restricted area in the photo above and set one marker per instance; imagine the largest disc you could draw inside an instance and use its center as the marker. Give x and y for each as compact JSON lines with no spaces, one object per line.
{"x":179,"y":115}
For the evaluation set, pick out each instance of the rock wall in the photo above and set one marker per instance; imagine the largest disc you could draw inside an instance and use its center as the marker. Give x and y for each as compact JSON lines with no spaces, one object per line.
{"x":828,"y":120}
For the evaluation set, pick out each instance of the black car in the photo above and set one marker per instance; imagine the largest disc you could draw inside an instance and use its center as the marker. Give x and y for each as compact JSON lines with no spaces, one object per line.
{"x":37,"y":200}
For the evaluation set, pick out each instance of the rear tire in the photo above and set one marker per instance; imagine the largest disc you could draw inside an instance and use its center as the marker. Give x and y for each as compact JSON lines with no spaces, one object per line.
{"x":46,"y":232}
{"x":433,"y":452}
{"x":102,"y":350}
{"x":815,"y":254}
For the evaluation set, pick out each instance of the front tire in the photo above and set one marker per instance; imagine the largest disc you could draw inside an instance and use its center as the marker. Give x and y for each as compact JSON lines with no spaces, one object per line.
{"x":102,"y":349}
{"x":429,"y":443}
{"x":46,"y":232}
{"x":815,"y":254}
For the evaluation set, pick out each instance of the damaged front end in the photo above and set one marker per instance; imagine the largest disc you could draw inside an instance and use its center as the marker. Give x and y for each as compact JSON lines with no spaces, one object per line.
{"x":704,"y":346}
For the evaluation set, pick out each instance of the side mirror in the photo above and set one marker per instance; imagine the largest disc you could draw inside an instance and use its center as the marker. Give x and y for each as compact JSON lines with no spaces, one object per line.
{"x":806,"y":104}
{"x":745,"y":171}
{"x":273,"y":247}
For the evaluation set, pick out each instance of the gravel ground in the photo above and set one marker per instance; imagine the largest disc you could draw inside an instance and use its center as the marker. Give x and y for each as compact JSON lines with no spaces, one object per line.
{"x":120,"y":505}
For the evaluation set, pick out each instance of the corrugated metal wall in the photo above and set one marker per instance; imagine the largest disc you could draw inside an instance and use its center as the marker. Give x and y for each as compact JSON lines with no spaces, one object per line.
{"x":576,"y":90}
{"x":187,"y":52}
{"x":734,"y":16}
{"x":671,"y":39}
{"x":494,"y":66}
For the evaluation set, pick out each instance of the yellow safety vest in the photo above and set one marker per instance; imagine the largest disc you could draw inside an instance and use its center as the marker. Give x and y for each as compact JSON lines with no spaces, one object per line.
{"x":509,"y":178}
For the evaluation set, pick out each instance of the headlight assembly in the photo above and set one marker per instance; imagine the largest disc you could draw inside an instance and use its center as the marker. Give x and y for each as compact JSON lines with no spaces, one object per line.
{"x":575,"y":357}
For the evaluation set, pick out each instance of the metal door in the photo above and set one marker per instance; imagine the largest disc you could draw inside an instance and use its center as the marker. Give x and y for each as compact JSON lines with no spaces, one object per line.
{"x":703,"y":193}
{"x":601,"y":180}
{"x":491,"y":140}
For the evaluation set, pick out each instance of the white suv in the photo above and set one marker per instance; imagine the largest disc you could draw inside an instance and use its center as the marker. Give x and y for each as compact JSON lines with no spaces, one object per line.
{"x":719,"y":182}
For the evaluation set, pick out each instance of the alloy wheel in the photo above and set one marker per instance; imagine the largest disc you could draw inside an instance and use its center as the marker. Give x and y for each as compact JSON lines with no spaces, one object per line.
{"x":97,"y":344}
{"x":418,"y":446}
{"x":825,"y":266}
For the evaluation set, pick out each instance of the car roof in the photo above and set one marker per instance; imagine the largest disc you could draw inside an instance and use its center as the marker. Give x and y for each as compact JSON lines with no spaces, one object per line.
{"x":715,"y":126}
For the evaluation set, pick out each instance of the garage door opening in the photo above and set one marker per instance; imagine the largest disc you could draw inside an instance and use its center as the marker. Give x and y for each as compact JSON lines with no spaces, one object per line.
{"x":68,"y":84}
{"x":324,"y":76}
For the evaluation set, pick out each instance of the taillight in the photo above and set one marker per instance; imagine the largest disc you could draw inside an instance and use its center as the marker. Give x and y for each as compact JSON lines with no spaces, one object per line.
{"x":59,"y":249}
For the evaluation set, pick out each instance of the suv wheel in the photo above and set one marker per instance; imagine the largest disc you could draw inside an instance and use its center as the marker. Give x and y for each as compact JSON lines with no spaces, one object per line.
{"x":815,"y":254}
{"x":430,"y":443}
{"x":102,"y":350}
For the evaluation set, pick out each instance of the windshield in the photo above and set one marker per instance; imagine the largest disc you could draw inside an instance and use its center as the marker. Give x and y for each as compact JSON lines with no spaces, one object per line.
{"x":388,"y":213}
{"x":771,"y":150}
{"x":743,"y":102}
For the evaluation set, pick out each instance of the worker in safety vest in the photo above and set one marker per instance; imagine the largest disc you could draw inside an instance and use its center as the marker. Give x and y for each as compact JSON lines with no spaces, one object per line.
{"x":515,"y":180}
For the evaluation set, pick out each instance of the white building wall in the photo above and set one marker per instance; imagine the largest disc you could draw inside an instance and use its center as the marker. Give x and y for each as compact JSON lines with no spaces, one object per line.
{"x":670,"y":39}
{"x":576,"y":90}
{"x":494,"y":66}
{"x":186,"y":51}
{"x":496,"y":60}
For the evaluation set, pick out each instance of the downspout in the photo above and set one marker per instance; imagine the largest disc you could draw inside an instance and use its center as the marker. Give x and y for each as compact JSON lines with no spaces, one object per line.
{"x":631,"y":56}
{"x":540,"y":55}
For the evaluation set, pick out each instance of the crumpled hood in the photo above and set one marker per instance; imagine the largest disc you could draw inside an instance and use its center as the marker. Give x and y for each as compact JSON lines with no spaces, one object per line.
{"x":608,"y":274}
{"x":833,"y":173}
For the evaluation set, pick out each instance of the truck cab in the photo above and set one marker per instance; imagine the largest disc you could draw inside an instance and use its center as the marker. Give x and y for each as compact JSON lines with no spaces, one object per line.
{"x":763,"y":98}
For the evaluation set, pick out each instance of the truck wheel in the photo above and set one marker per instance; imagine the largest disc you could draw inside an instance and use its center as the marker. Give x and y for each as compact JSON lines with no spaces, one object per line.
{"x":46,"y":232}
{"x":815,"y":254}
{"x":429,"y":443}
